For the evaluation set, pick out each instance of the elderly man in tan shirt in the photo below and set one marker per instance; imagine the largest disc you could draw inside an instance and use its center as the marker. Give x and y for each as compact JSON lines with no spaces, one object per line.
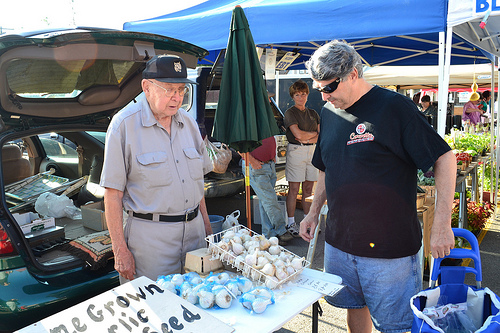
{"x":154,"y":164}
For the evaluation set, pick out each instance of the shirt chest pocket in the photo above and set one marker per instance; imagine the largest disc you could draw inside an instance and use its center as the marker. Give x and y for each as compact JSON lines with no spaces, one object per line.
{"x":154,"y":168}
{"x":195,"y":163}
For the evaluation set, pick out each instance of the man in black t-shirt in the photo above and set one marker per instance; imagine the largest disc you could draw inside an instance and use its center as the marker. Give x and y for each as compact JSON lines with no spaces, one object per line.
{"x":372,"y":143}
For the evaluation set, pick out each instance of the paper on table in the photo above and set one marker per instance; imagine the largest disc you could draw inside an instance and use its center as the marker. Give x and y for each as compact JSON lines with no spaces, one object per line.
{"x":327,"y":284}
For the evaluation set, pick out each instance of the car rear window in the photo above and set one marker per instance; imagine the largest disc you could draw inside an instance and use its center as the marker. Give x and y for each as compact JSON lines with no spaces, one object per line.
{"x":43,"y":78}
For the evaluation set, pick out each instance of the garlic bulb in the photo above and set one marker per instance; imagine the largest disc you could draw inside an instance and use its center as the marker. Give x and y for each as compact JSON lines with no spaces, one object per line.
{"x":274,"y":240}
{"x":223,"y":299}
{"x":281,"y":273}
{"x":245,"y":232}
{"x":264,"y":243}
{"x":223,"y":245}
{"x":237,"y":239}
{"x":168,"y":285}
{"x":222,"y":278}
{"x":262,"y":292}
{"x":244,"y":284}
{"x":251,"y":259}
{"x":228,"y":234}
{"x":233,"y":288}
{"x":239,"y":261}
{"x":206,"y":299}
{"x":245,"y":238}
{"x":261,"y":262}
{"x":190,"y":295}
{"x":272,"y":282}
{"x":237,"y":247}
{"x":274,"y":250}
{"x":259,"y":305}
{"x":279,"y":263}
{"x":297,"y":263}
{"x":177,"y":279}
{"x":268,"y":269}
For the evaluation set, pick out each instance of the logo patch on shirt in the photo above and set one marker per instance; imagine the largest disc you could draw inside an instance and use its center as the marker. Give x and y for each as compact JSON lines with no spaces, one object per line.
{"x":361,"y":135}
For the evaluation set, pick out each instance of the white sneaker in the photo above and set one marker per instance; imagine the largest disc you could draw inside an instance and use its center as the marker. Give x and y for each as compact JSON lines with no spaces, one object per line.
{"x":293,"y":229}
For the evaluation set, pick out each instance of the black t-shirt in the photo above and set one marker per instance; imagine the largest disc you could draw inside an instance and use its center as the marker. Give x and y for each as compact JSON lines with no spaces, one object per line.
{"x":306,"y":120}
{"x":370,"y":154}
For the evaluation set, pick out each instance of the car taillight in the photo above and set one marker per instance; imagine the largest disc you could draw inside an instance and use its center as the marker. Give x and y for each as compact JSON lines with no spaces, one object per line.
{"x":5,"y":244}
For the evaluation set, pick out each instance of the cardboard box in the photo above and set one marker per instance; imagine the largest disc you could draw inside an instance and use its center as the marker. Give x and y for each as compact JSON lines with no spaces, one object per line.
{"x":25,"y":218}
{"x":93,"y":216}
{"x":201,"y":262}
{"x":39,"y":224}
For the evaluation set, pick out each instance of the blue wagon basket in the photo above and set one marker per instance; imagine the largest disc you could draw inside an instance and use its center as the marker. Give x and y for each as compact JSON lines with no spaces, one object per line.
{"x":454,"y":306}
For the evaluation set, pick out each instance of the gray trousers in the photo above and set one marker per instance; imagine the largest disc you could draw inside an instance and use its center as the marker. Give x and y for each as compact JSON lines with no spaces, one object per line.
{"x":159,"y":248}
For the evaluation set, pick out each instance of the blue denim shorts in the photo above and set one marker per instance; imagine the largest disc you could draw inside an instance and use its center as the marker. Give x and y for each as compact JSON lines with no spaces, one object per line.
{"x":384,"y":285}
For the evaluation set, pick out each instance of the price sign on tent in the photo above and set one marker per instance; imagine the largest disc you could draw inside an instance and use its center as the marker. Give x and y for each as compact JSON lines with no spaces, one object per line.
{"x":286,"y":61}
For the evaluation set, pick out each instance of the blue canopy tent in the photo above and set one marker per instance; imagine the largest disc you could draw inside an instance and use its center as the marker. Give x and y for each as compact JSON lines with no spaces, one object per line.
{"x":395,"y":32}
{"x":390,"y":32}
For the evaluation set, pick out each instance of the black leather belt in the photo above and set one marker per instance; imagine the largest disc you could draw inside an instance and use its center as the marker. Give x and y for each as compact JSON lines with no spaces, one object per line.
{"x":169,"y":218}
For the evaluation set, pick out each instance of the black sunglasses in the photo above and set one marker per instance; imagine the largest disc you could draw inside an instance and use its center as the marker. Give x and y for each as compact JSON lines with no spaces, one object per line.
{"x":329,"y":88}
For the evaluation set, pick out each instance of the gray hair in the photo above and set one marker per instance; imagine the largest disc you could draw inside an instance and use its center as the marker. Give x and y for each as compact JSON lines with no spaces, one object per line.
{"x":335,"y":59}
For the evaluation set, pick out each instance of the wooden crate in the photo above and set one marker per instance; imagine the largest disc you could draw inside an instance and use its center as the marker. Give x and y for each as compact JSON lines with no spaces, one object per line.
{"x":425,"y":215}
{"x":420,"y":199}
{"x":430,"y":190}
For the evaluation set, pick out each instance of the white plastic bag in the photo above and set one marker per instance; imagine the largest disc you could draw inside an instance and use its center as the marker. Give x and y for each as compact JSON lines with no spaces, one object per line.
{"x":51,"y":205}
{"x":231,"y":220}
{"x":220,"y":156}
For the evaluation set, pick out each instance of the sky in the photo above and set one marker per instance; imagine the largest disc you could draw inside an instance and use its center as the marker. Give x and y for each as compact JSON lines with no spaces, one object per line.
{"x":37,"y":14}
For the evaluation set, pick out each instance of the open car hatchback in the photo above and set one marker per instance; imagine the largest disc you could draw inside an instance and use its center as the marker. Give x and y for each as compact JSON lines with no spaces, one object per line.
{"x":58,"y":92}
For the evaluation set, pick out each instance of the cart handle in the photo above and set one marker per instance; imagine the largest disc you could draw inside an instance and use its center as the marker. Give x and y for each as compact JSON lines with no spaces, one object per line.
{"x":461,"y":253}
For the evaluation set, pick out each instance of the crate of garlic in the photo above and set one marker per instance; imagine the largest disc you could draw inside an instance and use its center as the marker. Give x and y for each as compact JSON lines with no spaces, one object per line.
{"x":256,"y":257}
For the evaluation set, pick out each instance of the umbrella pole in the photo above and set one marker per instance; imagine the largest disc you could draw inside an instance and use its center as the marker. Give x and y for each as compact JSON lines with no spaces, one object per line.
{"x":247,"y":192}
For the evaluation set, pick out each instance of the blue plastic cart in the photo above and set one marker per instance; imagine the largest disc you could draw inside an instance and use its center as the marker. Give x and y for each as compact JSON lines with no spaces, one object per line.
{"x":453,"y":306}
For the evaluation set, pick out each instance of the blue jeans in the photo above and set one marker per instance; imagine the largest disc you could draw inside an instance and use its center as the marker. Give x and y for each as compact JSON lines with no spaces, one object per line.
{"x":384,"y":285}
{"x":263,"y":181}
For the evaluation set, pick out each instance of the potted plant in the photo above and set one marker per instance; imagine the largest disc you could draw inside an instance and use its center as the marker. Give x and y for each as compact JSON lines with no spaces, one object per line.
{"x":477,"y":215}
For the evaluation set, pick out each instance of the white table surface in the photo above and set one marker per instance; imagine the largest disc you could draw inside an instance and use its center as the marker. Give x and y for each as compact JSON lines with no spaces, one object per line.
{"x":289,"y":302}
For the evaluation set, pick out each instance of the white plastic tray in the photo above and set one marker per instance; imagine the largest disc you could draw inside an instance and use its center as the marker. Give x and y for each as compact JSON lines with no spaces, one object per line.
{"x":246,"y":270}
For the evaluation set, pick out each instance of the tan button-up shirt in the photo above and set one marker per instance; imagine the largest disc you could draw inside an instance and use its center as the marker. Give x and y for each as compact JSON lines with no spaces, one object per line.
{"x":158,"y":172}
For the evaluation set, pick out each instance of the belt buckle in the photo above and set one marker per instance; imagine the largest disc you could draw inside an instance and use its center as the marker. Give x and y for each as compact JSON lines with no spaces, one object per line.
{"x":186,"y":216}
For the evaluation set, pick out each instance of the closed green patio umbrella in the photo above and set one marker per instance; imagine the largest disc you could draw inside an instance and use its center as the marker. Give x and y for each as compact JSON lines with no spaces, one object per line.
{"x":243,"y":117}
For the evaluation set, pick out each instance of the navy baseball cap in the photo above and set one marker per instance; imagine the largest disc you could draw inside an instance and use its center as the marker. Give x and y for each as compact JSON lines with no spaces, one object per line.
{"x":166,"y":68}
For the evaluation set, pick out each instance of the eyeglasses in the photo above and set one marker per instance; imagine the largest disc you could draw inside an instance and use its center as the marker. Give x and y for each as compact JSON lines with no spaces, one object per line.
{"x":329,"y":88}
{"x":170,"y":92}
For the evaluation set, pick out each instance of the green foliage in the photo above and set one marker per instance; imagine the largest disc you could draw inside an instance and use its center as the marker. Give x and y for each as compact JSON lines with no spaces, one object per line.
{"x":425,"y":179}
{"x":488,"y":171}
{"x":470,"y":142}
{"x":468,"y":195}
{"x":477,"y":215}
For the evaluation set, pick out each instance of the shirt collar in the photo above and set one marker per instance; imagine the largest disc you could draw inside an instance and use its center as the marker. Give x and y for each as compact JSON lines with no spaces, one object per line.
{"x":148,"y":119}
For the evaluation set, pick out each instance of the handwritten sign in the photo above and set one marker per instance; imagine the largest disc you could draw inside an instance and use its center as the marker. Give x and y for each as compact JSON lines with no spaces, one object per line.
{"x":138,"y":306}
{"x":327,"y":284}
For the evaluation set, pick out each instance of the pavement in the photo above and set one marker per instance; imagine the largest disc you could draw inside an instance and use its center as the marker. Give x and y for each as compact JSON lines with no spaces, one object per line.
{"x":333,"y":319}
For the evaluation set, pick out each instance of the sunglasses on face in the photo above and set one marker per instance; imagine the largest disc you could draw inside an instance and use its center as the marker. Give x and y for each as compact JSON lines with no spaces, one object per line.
{"x":329,"y":88}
